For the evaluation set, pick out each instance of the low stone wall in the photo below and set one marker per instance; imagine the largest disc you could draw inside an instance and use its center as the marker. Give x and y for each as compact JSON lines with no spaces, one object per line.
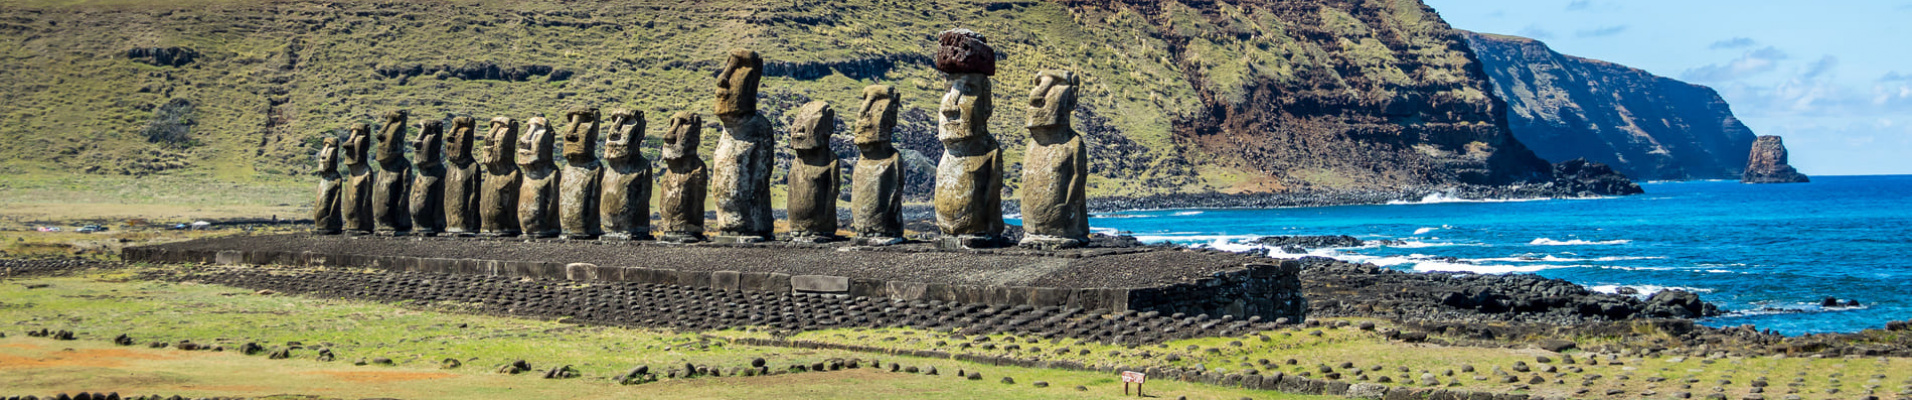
{"x":1266,"y":290}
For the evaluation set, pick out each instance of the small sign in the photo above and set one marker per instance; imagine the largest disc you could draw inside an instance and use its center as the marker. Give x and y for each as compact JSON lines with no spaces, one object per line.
{"x":1133,"y":377}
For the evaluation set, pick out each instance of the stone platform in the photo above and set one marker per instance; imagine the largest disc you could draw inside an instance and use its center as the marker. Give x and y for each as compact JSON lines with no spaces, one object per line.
{"x":1140,"y":278}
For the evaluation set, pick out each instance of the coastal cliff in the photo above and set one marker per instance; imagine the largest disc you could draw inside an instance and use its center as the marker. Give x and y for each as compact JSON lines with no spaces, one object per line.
{"x":1177,"y":97}
{"x":1767,"y":163}
{"x":1645,"y":126}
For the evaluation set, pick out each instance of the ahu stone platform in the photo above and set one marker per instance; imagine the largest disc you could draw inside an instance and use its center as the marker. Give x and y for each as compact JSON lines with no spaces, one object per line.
{"x":1163,"y":279}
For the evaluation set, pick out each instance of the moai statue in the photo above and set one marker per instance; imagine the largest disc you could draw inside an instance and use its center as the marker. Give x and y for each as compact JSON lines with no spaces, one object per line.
{"x":814,"y":176}
{"x":462,"y":179}
{"x":1055,"y":169}
{"x":538,"y":196}
{"x":876,"y":185}
{"x":969,"y":177}
{"x":578,"y":194}
{"x":357,"y":196}
{"x":428,"y":188}
{"x":498,"y":200}
{"x":744,"y":154}
{"x":390,"y":207}
{"x":683,"y":182}
{"x":325,"y":212}
{"x":625,"y":208}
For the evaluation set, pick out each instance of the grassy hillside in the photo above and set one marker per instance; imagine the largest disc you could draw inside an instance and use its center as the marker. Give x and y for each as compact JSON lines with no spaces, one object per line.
{"x":1177,"y":97}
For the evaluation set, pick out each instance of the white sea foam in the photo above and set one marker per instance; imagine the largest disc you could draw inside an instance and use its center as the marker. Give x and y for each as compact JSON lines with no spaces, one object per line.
{"x":1185,"y":213}
{"x":1443,"y":266}
{"x":1424,"y":230}
{"x":1551,"y":258}
{"x":1575,"y":242}
{"x":1646,"y":290}
{"x":1415,"y":244}
{"x":1443,"y":198}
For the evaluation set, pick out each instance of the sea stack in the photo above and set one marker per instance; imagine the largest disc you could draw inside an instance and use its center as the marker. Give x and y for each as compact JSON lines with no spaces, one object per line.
{"x":1767,"y":163}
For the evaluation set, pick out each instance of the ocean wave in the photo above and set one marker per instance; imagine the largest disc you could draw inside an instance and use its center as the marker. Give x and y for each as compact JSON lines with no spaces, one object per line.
{"x":1646,"y":290}
{"x":1551,"y":258}
{"x":1576,"y":242}
{"x":1426,"y":229}
{"x":1415,"y":244}
{"x":1185,"y":213}
{"x":1443,"y":266}
{"x":1444,"y":198}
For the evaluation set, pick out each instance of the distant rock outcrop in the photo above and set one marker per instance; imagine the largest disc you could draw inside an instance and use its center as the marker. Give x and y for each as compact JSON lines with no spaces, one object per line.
{"x":1586,"y":178}
{"x":163,"y":56}
{"x":1767,"y":163}
{"x":1645,"y":126}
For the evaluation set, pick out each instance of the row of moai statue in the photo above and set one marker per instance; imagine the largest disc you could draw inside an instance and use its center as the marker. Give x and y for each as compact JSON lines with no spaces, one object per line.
{"x":519,"y":188}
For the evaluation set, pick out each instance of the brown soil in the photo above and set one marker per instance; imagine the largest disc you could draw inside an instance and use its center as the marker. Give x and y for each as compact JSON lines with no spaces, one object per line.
{"x":97,"y":358}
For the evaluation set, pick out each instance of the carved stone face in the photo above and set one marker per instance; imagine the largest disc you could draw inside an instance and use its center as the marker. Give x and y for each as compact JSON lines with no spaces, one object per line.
{"x":501,"y":143}
{"x":814,"y":124}
{"x":580,"y":137}
{"x":966,"y":108}
{"x":1053,"y":99}
{"x":534,"y":146}
{"x":627,"y":131}
{"x":458,"y":141}
{"x":737,"y":85}
{"x":877,"y":118}
{"x":391,"y":136}
{"x":329,"y":155}
{"x":356,"y":143}
{"x":687,"y":128}
{"x":430,"y":144}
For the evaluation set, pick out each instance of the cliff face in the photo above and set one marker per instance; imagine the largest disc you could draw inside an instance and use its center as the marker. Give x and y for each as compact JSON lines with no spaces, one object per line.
{"x":1645,"y":126}
{"x":1194,"y":96}
{"x":1767,"y":163}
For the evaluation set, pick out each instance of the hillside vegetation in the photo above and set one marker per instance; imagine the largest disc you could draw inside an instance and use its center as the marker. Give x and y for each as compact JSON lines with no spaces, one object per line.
{"x":1196,"y":96}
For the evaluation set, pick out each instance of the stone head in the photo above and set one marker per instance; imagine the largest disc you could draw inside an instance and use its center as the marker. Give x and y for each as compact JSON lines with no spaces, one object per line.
{"x":357,"y":140}
{"x":429,"y":147}
{"x":329,"y":155}
{"x":737,"y":85}
{"x":1053,"y":99}
{"x":965,"y":111}
{"x":963,"y":51}
{"x":501,"y":143}
{"x":534,"y":146}
{"x":687,"y":128}
{"x":814,"y":124}
{"x":458,"y":142}
{"x":581,"y":134}
{"x":877,"y":118}
{"x":627,"y":132}
{"x":391,"y":135}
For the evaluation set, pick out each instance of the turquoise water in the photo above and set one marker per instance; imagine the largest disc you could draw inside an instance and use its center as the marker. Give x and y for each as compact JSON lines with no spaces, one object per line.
{"x":1768,"y":253}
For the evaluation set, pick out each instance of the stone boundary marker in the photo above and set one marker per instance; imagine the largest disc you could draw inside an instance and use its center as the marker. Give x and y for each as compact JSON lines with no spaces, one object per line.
{"x":1267,"y":290}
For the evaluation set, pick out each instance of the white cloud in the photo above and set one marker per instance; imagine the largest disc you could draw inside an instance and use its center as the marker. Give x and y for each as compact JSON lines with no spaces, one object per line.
{"x":1752,"y":63}
{"x":1601,"y":31}
{"x":1733,"y":43}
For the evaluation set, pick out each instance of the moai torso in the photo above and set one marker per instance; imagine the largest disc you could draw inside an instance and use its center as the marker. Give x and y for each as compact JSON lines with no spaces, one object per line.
{"x":391,"y":208}
{"x":578,"y":192}
{"x":969,"y":177}
{"x":682,"y":183}
{"x":813,"y":176}
{"x":326,"y":217}
{"x":498,"y":197}
{"x":356,"y":198}
{"x":625,"y":207}
{"x":1055,"y":212}
{"x":538,"y":197}
{"x":876,"y":182}
{"x":428,"y":188}
{"x":462,"y":178}
{"x":744,"y":155}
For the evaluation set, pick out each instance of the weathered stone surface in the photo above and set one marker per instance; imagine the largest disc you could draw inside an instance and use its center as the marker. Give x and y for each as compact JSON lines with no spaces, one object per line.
{"x":684,"y":181}
{"x":356,"y":197}
{"x":745,"y":154}
{"x":625,"y":206}
{"x":1767,"y":163}
{"x":813,"y":176}
{"x":498,"y":197}
{"x":463,"y":181}
{"x":428,"y":186}
{"x":876,"y":183}
{"x":1055,"y":210}
{"x":969,"y":178}
{"x":326,"y":210}
{"x":578,"y":185}
{"x":820,"y":283}
{"x":538,"y":196}
{"x":962,"y":51}
{"x":389,"y":209}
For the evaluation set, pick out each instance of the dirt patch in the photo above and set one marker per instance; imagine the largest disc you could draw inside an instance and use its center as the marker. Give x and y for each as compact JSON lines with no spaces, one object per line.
{"x":381,"y":376}
{"x":97,"y":358}
{"x":18,"y":346}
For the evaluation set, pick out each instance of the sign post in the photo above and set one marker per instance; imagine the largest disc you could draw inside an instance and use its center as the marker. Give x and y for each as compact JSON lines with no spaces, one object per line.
{"x":1132,"y":377}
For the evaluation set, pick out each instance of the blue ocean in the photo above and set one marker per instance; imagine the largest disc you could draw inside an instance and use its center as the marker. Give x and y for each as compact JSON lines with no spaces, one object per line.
{"x":1768,"y":253}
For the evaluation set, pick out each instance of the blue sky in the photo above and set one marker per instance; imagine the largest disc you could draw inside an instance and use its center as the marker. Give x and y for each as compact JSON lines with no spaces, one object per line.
{"x":1833,"y":76}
